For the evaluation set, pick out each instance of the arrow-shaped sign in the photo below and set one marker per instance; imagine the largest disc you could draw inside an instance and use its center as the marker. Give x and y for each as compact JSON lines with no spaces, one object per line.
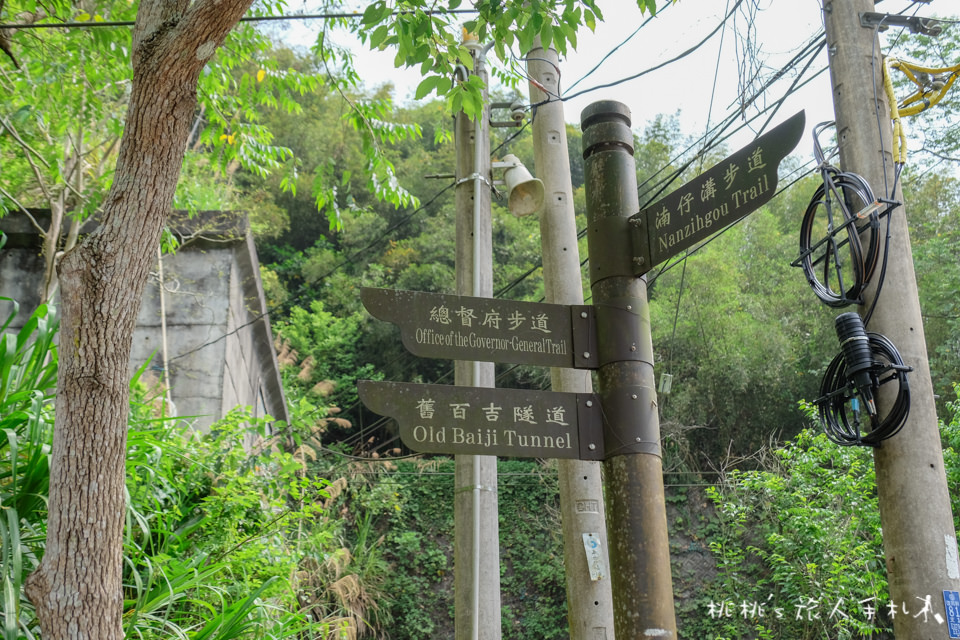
{"x":436,"y":418}
{"x":439,"y":325}
{"x":719,"y":197}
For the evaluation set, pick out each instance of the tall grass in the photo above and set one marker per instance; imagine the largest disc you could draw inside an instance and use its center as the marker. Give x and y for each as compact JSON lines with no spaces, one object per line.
{"x":218,"y":540}
{"x":28,"y":371}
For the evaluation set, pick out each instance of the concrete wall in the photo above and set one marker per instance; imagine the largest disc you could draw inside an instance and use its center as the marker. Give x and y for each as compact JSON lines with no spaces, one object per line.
{"x":219,"y":346}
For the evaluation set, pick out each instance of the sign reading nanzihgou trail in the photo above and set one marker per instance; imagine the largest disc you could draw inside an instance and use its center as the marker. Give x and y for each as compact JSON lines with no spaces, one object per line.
{"x":484,"y":329}
{"x":719,"y":197}
{"x":436,"y":418}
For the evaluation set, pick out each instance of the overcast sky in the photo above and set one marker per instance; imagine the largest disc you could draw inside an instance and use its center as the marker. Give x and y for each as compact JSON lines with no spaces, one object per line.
{"x":704,"y":87}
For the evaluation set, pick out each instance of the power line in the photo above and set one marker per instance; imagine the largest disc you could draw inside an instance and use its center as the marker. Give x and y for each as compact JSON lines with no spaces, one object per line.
{"x":708,"y":144}
{"x":302,"y":16}
{"x":810,"y":51}
{"x":655,"y":67}
{"x":619,"y":46}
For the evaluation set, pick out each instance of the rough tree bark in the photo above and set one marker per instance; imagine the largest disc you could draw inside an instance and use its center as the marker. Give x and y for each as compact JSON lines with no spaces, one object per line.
{"x":77,"y":589}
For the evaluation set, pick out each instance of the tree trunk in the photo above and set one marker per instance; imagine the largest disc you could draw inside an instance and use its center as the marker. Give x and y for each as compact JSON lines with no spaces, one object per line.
{"x":77,"y":588}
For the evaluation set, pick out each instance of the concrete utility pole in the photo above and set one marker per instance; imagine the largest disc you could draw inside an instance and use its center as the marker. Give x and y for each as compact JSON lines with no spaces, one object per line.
{"x":589,"y":602}
{"x":476,"y":529}
{"x":636,"y":510}
{"x":918,"y":534}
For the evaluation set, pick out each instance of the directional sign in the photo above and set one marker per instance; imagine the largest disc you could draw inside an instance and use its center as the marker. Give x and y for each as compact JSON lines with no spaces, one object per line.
{"x":727,"y":192}
{"x":436,"y":418}
{"x":486,"y":329}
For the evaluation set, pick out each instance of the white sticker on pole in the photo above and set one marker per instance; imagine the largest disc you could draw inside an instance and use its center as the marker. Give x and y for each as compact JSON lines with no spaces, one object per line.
{"x":591,"y":544}
{"x":953,"y":568}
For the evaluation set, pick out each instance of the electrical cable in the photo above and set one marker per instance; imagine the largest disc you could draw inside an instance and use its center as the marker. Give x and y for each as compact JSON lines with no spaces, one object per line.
{"x":886,"y":253}
{"x":650,"y":69}
{"x":717,"y":138}
{"x":717,"y":131}
{"x":845,"y":199}
{"x":499,"y":293}
{"x":351,"y":259}
{"x":306,"y":16}
{"x":618,"y":47}
{"x":839,"y":405}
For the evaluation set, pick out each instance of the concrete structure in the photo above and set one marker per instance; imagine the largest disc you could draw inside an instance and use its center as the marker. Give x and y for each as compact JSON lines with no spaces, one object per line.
{"x":218,"y":346}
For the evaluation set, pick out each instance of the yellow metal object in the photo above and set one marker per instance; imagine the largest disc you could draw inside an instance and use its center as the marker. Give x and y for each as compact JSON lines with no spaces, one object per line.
{"x":932,"y":85}
{"x":899,"y":137}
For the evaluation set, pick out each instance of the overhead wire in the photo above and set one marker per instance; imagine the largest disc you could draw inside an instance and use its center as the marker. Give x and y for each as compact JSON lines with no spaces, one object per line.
{"x":808,"y":53}
{"x":716,"y":135}
{"x":655,"y":67}
{"x":725,"y":125}
{"x":619,"y":46}
{"x":708,"y":144}
{"x":686,"y":253}
{"x":100,"y":24}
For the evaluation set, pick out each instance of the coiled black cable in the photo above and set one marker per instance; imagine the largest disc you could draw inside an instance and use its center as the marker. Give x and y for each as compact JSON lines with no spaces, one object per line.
{"x":844,"y":202}
{"x":839,"y":406}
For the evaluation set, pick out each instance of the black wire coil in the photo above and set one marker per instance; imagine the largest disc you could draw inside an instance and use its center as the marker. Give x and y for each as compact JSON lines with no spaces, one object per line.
{"x":843,"y":204}
{"x":856,"y":196}
{"x":839,"y":403}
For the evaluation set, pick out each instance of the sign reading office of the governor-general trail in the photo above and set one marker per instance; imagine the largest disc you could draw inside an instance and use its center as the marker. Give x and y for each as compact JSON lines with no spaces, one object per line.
{"x":455,"y":327}
{"x":436,"y":418}
{"x":719,"y":197}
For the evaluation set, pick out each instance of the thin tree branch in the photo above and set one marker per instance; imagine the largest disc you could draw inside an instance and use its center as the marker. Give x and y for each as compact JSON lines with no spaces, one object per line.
{"x":6,"y":194}
{"x":16,"y":136}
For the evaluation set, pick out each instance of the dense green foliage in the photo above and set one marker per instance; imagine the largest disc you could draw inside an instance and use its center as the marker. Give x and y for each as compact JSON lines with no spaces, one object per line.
{"x":410,"y":506}
{"x":802,"y":540}
{"x":225,"y":541}
{"x":227,"y":536}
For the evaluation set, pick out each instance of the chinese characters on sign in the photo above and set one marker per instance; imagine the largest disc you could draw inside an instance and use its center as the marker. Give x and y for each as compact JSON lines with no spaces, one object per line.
{"x":485,"y":329}
{"x":484,"y":421}
{"x":724,"y":194}
{"x":951,"y":604}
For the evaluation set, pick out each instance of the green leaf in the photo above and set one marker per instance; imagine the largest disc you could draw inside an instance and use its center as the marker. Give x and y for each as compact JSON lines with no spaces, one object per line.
{"x":375,"y":13}
{"x":20,"y":115}
{"x":525,"y":37}
{"x":427,"y":85}
{"x":546,"y":35}
{"x":589,"y":20}
{"x":378,"y":36}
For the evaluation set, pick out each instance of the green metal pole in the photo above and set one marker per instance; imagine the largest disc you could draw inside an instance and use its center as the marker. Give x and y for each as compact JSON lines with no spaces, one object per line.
{"x":636,"y":510}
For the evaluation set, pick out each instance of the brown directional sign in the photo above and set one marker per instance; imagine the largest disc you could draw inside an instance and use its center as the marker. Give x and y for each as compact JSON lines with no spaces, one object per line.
{"x":437,"y":325}
{"x":725,"y":193}
{"x":436,"y":418}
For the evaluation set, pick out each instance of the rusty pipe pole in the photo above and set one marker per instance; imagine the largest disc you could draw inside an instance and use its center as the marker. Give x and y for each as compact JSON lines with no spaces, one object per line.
{"x":636,"y":511}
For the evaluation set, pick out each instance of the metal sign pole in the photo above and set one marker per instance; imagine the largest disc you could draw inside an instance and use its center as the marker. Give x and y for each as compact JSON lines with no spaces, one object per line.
{"x":636,"y":510}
